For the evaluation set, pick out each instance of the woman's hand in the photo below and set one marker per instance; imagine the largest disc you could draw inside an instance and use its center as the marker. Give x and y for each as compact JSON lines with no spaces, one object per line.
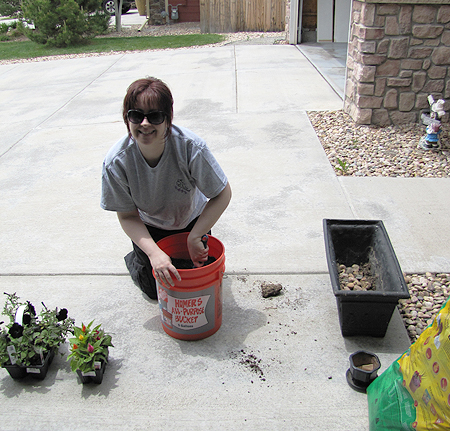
{"x":134,"y":227}
{"x":163,"y":268}
{"x":197,"y":251}
{"x":211,"y":213}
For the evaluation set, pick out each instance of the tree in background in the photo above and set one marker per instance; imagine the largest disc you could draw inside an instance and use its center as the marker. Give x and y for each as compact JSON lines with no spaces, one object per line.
{"x":10,"y":8}
{"x":64,"y":22}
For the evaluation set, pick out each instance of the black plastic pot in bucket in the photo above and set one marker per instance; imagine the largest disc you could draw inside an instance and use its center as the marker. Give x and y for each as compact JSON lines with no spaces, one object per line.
{"x":351,"y":242}
{"x":363,"y":370}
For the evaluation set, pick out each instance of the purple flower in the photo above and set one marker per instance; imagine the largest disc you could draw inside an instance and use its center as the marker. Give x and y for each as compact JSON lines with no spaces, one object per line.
{"x":90,"y":348}
{"x":62,"y":314}
{"x":31,"y":309}
{"x":26,"y":319}
{"x":16,"y":330}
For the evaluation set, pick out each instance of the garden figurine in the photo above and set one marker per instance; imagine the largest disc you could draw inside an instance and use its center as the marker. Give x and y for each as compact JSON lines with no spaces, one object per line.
{"x":431,"y":140}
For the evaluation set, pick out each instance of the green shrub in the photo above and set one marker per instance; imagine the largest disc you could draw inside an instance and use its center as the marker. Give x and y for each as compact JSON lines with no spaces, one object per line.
{"x":64,"y":22}
{"x":17,"y":29}
{"x":9,"y":7}
{"x":4,"y":28}
{"x":11,"y":30}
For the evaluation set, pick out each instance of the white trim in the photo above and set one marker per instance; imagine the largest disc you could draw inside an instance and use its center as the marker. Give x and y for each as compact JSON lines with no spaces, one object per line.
{"x":293,"y":22}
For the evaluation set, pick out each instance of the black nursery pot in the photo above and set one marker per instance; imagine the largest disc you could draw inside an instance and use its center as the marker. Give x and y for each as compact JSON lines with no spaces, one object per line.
{"x":361,"y":358}
{"x":38,"y":372}
{"x":364,"y":241}
{"x":16,"y":371}
{"x":95,"y":376}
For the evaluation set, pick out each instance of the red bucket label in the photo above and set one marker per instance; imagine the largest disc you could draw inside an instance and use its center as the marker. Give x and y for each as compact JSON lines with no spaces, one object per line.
{"x":190,"y":313}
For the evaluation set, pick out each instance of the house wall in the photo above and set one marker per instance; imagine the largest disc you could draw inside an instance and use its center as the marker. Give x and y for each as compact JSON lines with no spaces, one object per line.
{"x":398,"y":54}
{"x":188,"y":10}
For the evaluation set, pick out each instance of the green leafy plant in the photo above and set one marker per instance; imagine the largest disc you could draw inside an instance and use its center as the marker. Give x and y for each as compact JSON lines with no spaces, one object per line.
{"x":11,"y":31}
{"x":10,"y":7}
{"x":63,"y":23}
{"x":88,"y":347}
{"x":343,"y":166}
{"x":28,"y":337}
{"x":4,"y":27}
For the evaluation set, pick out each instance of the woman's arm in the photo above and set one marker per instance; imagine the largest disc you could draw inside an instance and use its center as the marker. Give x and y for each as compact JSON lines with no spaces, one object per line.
{"x":135,"y":228}
{"x":208,"y":218}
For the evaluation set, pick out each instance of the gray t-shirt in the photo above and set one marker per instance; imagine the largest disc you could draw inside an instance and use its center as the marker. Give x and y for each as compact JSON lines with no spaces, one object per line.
{"x":170,"y":195}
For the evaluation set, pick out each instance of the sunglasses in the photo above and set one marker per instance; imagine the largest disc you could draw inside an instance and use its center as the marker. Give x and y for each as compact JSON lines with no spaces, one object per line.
{"x":153,"y":117}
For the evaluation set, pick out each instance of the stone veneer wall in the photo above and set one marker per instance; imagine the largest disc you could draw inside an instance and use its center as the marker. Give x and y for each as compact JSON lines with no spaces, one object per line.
{"x":398,"y":54}
{"x":156,"y":7}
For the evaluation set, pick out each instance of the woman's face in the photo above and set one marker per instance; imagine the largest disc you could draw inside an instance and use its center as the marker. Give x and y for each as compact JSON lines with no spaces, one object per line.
{"x":145,"y":133}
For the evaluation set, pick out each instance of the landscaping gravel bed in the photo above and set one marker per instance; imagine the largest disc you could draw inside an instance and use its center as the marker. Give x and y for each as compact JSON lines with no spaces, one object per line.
{"x":269,"y":38}
{"x":367,"y":151}
{"x":428,"y":293}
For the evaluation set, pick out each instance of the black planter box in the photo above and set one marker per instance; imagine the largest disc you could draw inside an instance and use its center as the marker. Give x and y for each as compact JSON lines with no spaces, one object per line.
{"x":38,"y":372}
{"x":360,"y":241}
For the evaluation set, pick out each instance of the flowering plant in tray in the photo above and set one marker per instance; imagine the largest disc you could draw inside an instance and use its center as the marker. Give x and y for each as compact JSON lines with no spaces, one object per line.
{"x":88,"y":348}
{"x":28,"y":337}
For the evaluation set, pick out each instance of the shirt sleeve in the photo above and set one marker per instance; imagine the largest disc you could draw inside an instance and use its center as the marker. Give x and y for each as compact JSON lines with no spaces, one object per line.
{"x":116,"y":195}
{"x":207,"y":173}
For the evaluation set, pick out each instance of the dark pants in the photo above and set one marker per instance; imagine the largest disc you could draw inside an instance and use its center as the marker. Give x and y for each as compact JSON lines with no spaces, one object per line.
{"x":138,"y":263}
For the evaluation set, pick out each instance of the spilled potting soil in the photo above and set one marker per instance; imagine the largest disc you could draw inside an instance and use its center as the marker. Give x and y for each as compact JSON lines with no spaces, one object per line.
{"x":249,"y":361}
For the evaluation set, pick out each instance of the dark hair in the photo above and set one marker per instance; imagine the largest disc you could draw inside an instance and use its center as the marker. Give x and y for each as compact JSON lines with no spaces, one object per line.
{"x":153,"y":92}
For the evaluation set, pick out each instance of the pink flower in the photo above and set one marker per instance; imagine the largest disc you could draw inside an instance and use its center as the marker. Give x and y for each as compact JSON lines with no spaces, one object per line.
{"x":90,"y":348}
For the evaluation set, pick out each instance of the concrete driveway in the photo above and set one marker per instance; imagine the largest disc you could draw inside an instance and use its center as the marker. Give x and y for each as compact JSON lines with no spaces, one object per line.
{"x":59,"y":119}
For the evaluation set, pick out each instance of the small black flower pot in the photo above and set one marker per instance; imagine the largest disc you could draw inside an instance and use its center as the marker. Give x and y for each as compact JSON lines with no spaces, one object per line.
{"x":363,"y":370}
{"x":16,"y":371}
{"x":38,"y":372}
{"x":364,"y":241}
{"x":95,"y":376}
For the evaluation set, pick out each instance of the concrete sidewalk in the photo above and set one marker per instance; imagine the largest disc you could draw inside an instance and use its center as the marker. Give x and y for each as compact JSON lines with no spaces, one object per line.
{"x":59,"y":118}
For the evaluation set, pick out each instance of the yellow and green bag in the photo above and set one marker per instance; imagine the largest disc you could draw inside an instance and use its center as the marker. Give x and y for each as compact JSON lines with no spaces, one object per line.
{"x":413,"y":394}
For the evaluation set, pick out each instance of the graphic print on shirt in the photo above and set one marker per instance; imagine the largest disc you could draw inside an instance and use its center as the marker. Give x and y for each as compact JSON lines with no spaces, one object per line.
{"x":182,"y":187}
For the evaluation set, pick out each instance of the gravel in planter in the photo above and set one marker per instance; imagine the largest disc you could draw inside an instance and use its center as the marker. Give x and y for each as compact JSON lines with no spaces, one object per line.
{"x":356,"y":277}
{"x":428,"y":293}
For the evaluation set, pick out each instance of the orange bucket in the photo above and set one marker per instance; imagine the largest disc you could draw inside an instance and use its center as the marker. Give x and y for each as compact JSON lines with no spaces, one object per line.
{"x":192,"y":308}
